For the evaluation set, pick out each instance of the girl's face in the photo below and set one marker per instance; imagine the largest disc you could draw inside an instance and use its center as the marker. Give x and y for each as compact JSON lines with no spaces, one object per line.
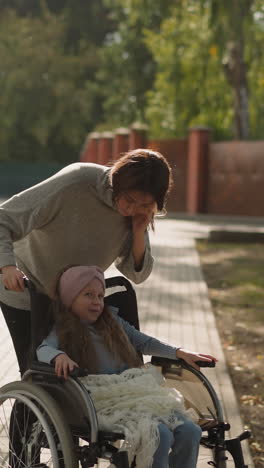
{"x":89,"y":304}
{"x":135,"y":202}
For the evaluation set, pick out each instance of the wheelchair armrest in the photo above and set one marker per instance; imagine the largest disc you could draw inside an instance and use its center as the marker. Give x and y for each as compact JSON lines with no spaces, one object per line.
{"x":42,"y":367}
{"x":79,"y":372}
{"x":205,"y":363}
{"x":166,"y":362}
{"x":50,"y":369}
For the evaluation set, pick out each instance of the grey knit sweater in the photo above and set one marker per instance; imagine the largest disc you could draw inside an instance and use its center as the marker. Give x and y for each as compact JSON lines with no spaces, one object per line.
{"x":66,"y":219}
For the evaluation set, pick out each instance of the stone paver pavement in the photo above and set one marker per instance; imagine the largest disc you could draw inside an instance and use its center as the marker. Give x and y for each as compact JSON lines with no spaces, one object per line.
{"x":174,"y":307}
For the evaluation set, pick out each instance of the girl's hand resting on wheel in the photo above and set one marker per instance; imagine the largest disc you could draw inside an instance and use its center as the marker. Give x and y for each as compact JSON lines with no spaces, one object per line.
{"x":13,"y":278}
{"x":64,"y":365}
{"x":191,"y":357}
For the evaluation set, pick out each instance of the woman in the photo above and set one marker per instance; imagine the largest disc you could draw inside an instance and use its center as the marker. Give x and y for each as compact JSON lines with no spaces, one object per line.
{"x":86,"y":213}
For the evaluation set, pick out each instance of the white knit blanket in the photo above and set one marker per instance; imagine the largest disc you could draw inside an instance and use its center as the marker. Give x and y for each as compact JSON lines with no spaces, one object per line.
{"x":135,"y":402}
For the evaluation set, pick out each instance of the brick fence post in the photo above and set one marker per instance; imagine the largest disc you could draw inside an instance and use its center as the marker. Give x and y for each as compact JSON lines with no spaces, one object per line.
{"x":105,"y":148}
{"x":197,"y":172}
{"x":89,"y":151}
{"x":137,"y":136}
{"x":120,"y":143}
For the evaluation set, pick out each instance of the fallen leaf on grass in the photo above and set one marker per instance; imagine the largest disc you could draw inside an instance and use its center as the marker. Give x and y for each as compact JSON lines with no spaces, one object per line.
{"x":256,"y":446}
{"x":239,"y":368}
{"x":252,"y":400}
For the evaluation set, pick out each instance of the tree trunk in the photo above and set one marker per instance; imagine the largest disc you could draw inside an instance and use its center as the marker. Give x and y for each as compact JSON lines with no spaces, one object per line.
{"x":235,"y":71}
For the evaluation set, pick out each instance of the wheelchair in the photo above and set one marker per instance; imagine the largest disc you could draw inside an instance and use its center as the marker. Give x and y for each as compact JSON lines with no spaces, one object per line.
{"x":49,"y":422}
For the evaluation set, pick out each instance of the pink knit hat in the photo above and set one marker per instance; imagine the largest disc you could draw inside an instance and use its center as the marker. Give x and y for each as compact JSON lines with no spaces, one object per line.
{"x":73,"y":280}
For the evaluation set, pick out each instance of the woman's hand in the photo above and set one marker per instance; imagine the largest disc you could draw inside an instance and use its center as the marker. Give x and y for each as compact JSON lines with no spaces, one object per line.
{"x":191,"y":357}
{"x":64,"y":365}
{"x":13,"y":278}
{"x":140,"y":222}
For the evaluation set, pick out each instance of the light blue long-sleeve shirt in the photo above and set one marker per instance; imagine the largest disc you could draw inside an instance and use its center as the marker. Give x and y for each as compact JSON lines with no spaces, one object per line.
{"x":147,"y":345}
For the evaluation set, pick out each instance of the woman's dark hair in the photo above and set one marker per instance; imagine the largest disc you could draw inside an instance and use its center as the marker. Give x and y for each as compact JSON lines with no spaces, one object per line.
{"x":143,"y":170}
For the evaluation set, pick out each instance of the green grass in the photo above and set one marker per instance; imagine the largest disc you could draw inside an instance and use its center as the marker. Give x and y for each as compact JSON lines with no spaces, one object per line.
{"x":236,"y":271}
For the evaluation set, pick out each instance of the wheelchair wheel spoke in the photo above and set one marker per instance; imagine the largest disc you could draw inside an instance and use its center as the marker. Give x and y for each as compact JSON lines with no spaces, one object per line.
{"x":33,"y":431}
{"x":24,"y":441}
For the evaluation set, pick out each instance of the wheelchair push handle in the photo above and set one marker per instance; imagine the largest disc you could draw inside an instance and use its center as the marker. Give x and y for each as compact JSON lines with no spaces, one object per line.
{"x":29,"y":284}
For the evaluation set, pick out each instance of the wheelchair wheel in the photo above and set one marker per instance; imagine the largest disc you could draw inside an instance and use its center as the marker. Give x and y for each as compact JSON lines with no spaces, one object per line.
{"x":201,"y":398}
{"x":33,"y":431}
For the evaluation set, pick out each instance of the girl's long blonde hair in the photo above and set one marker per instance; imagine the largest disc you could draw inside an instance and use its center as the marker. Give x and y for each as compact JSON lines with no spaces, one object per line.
{"x":75,"y":340}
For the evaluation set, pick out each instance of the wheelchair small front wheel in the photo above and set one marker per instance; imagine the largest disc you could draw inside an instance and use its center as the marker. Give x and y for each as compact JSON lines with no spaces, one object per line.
{"x":33,"y":429}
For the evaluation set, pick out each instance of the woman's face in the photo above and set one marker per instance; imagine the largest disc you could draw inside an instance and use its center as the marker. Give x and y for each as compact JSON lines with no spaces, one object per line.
{"x":89,"y":304}
{"x":135,"y":202}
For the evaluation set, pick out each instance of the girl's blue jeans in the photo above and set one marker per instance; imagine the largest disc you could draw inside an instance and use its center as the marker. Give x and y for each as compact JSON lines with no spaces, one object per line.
{"x":183,"y":442}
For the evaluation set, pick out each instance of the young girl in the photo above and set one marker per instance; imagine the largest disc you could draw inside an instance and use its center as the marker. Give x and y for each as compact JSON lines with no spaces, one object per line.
{"x":91,"y":335}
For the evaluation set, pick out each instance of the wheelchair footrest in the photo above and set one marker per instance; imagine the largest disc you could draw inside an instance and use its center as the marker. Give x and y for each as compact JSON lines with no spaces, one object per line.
{"x":88,"y":455}
{"x":110,"y":436}
{"x":234,"y":448}
{"x":120,"y":460}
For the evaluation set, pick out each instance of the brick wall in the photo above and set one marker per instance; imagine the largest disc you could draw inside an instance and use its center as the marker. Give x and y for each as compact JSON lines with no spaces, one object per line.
{"x":176,"y":152}
{"x":236,"y":178}
{"x":224,"y":178}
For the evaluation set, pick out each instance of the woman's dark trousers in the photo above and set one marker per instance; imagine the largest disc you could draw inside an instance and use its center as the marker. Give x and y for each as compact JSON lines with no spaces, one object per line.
{"x":18,"y":323}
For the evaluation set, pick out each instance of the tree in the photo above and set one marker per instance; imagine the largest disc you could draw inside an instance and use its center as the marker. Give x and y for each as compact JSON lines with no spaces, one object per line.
{"x":216,"y":45}
{"x":83,"y":19}
{"x":127,"y":68}
{"x":255,"y":61}
{"x":189,"y":87}
{"x":229,"y":22}
{"x":48,"y":101}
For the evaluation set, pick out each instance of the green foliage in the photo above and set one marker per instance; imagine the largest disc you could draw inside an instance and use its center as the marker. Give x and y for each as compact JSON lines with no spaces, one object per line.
{"x":255,"y":62}
{"x":189,"y":88}
{"x":163,"y":64}
{"x":128,"y":68}
{"x":229,"y":20}
{"x":87,"y":20}
{"x":70,"y":66}
{"x":124,"y":79}
{"x":48,"y":99}
{"x":190,"y":85}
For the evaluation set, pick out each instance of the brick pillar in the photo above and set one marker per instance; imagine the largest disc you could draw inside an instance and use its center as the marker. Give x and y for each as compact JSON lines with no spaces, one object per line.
{"x":89,"y":151}
{"x":197,"y":172}
{"x":137,"y":136}
{"x":105,"y":148}
{"x":120,"y":144}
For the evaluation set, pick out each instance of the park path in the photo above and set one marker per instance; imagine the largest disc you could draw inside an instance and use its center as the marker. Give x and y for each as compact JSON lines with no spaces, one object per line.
{"x":174,"y":306}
